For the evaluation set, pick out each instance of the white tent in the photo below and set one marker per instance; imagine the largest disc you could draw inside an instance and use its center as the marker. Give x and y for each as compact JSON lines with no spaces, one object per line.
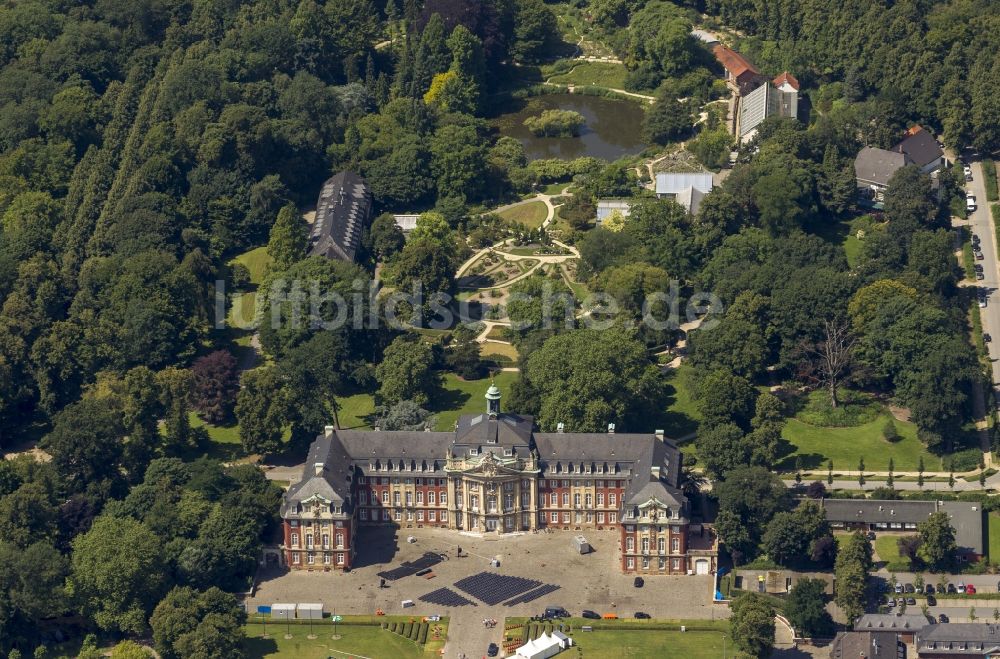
{"x":283,"y":611}
{"x":545,"y":646}
{"x":310,"y":611}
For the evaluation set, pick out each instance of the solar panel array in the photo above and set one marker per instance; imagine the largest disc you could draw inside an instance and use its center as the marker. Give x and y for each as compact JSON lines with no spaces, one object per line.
{"x":532,"y":595}
{"x":445,"y":597}
{"x":429,"y":559}
{"x":495,"y":588}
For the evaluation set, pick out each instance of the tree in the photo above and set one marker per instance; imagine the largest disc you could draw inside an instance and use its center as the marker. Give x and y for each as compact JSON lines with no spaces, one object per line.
{"x":937,"y":540}
{"x":407,"y":372}
{"x":423,"y":261}
{"x":751,"y":625}
{"x":261,"y":410}
{"x":129,"y":650}
{"x":748,"y":499}
{"x":28,"y":515}
{"x":833,"y":356}
{"x":667,"y":120}
{"x":723,"y":397}
{"x":463,"y":356}
{"x":386,"y":237}
{"x":589,"y":378}
{"x":287,"y":243}
{"x":536,"y":31}
{"x":118,"y":573}
{"x":216,"y":382}
{"x":804,"y":608}
{"x":32,"y":580}
{"x":86,"y":443}
{"x":790,"y":536}
{"x":909,"y":548}
{"x":404,"y":415}
{"x":189,"y":623}
{"x":854,"y":561}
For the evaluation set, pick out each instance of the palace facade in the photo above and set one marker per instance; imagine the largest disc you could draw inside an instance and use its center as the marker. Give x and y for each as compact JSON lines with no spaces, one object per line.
{"x":494,"y":474}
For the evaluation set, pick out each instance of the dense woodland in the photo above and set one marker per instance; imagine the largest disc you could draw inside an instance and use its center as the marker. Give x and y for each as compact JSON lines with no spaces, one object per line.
{"x":144,"y":143}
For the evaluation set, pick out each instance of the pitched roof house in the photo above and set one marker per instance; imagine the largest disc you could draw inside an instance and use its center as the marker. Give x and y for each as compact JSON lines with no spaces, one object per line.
{"x":495,"y":473}
{"x":970,"y":639}
{"x":741,"y":75}
{"x":786,"y":82}
{"x":921,"y":149}
{"x":966,"y":518}
{"x":867,"y":645}
{"x":342,"y":211}
{"x":687,"y":189}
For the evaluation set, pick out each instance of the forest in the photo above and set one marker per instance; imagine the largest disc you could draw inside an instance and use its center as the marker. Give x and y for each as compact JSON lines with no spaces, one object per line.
{"x":145,"y":143}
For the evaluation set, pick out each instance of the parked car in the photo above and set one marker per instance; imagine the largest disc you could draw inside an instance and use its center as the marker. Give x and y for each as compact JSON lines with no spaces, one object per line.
{"x":898,"y":588}
{"x":642,"y":615}
{"x":970,"y":589}
{"x":979,"y":255}
{"x":555,"y":612}
{"x":981,"y":301}
{"x":890,"y":602}
{"x":979,"y":275}
{"x":929,"y":589}
{"x":910,"y":601}
{"x":975,"y":239}
{"x":987,"y":338}
{"x":998,"y":586}
{"x":970,"y":202}
{"x":968,"y":172}
{"x":871,"y":535}
{"x":493,"y":650}
{"x":638,"y":582}
{"x":952,"y":589}
{"x":908,"y":588}
{"x":931,"y":600}
{"x":961,"y":589}
{"x":942,"y":618}
{"x":590,"y":615}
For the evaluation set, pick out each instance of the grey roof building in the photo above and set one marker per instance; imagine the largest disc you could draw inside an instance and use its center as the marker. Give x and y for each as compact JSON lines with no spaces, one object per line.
{"x":958,"y":640}
{"x":687,"y":189}
{"x":342,"y":211}
{"x":921,"y":149}
{"x":870,"y":514}
{"x":867,"y":645}
{"x":495,"y":473}
{"x":896,"y":623}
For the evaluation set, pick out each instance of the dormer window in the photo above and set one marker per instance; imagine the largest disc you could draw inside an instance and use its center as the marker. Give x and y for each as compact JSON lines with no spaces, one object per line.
{"x":508,"y":452}
{"x":473,"y":451}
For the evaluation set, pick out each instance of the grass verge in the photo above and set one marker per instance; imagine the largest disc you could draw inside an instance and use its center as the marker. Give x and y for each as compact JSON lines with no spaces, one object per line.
{"x":531,"y":214}
{"x":990,"y":176}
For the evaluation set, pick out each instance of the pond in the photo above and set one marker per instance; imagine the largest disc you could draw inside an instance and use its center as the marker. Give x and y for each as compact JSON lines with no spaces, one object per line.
{"x":613,"y":128}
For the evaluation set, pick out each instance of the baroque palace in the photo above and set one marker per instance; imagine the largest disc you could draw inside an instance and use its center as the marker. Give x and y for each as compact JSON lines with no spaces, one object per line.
{"x":495,"y":475}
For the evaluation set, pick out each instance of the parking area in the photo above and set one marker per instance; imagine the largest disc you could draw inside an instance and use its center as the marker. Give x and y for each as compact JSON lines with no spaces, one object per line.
{"x":585,"y":581}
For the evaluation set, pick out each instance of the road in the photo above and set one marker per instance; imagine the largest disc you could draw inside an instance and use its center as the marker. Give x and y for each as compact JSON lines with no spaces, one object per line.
{"x":981,"y":225}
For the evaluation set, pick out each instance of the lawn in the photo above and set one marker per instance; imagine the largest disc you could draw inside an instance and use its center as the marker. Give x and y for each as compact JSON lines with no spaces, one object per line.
{"x":457,"y":397}
{"x":682,"y":415}
{"x":359,"y":640}
{"x":662,"y":639}
{"x":256,"y":261}
{"x":847,"y":445}
{"x":993,"y":520}
{"x":845,"y":234}
{"x":242,"y":311}
{"x":887,"y":548}
{"x":598,"y":74}
{"x":502,"y":349}
{"x":531,"y":214}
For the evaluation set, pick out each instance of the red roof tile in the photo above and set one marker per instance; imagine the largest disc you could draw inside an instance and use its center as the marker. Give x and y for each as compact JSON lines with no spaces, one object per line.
{"x":786,"y":77}
{"x":735,"y":63}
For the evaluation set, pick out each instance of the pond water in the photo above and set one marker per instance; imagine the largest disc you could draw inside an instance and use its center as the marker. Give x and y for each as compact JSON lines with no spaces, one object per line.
{"x":613,"y":128}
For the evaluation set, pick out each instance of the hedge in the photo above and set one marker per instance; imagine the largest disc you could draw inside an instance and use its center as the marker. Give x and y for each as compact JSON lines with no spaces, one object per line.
{"x":422,"y":636}
{"x":990,"y":176}
{"x":407,"y":629}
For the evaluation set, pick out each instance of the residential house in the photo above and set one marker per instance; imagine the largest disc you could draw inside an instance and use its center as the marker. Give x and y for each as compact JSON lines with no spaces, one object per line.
{"x":607,"y":206}
{"x":687,"y":189}
{"x":952,"y":640}
{"x":766,"y":101}
{"x":867,"y":645}
{"x":494,"y":474}
{"x":343,"y":210}
{"x":903,"y":625}
{"x":921,"y":149}
{"x":872,"y":170}
{"x":741,"y":76}
{"x":903,"y":517}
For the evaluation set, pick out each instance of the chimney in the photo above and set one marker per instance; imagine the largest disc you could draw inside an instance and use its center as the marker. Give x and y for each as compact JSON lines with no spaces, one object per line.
{"x":659,"y":434}
{"x":328,"y":431}
{"x":655,"y":471}
{"x":319,"y":468}
{"x":560,"y":427}
{"x":611,"y":428}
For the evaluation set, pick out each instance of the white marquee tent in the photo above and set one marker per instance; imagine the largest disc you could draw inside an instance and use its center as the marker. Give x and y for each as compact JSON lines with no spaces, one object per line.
{"x":545,"y":646}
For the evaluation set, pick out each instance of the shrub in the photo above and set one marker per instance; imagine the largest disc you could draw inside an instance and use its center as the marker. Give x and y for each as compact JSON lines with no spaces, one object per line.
{"x":889,"y":431}
{"x":407,"y":628}
{"x":556,"y":123}
{"x":422,"y":636}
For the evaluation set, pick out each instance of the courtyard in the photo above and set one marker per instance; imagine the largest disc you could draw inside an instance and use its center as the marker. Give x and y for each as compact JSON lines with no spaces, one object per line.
{"x":583,"y":581}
